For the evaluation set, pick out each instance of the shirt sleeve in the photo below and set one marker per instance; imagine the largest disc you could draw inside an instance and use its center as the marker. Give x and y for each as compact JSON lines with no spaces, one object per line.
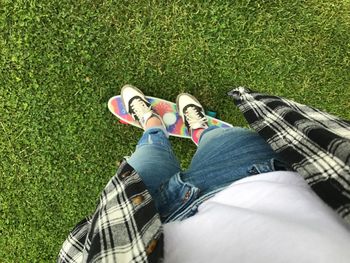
{"x":125,"y":226}
{"x":314,"y":143}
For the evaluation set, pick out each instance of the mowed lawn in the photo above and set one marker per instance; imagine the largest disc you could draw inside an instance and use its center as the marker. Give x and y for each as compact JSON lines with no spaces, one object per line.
{"x":62,"y":60}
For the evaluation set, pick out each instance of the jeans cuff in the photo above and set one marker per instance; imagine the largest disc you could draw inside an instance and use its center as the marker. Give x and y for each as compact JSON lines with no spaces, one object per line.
{"x":210,"y":128}
{"x":157,"y":128}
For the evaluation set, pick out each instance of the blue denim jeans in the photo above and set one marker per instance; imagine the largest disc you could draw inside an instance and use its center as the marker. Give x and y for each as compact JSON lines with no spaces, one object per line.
{"x":222,"y":157}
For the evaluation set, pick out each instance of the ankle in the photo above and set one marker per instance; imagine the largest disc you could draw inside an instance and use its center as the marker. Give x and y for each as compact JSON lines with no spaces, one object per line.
{"x":153,"y":121}
{"x":196,"y":134}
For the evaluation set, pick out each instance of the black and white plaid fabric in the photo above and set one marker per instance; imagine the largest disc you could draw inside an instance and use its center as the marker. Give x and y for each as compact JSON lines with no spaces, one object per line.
{"x":314,"y":143}
{"x":125,"y":226}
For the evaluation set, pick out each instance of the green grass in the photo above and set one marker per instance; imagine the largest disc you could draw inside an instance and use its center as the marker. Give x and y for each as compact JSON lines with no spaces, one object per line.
{"x":62,"y":60}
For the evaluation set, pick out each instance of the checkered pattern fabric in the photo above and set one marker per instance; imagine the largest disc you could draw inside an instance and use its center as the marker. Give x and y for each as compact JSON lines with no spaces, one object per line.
{"x":314,"y":143}
{"x":125,"y":226}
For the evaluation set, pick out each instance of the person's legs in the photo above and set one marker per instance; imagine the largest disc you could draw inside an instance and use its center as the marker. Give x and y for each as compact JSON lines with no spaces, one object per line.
{"x":223,"y":155}
{"x":226,"y":155}
{"x":153,"y":159}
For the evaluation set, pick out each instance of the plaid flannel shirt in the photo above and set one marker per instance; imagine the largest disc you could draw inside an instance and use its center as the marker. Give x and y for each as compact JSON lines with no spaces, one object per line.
{"x":316,"y":144}
{"x":125,"y":226}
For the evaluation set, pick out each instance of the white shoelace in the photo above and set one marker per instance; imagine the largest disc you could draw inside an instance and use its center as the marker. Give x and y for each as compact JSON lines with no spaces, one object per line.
{"x":140,"y":108}
{"x":194,"y":119}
